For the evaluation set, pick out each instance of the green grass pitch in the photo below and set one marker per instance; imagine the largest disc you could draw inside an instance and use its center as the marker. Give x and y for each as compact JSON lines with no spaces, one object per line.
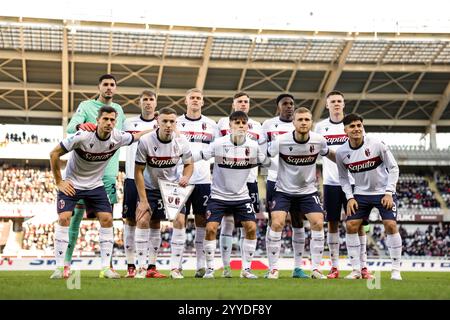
{"x":37,"y":285}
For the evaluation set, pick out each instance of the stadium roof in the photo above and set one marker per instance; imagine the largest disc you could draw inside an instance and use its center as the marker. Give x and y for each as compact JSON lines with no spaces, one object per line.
{"x":398,"y":82}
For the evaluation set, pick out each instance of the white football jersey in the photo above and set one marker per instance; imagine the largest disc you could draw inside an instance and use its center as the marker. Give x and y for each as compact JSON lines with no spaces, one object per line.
{"x":199,"y":133}
{"x":272,"y":129}
{"x":372,"y":166}
{"x":297,"y":162}
{"x":161,"y":157}
{"x":334,"y":133}
{"x":254,"y":132}
{"x":90,"y":156}
{"x":232,"y":166}
{"x":135,"y":125}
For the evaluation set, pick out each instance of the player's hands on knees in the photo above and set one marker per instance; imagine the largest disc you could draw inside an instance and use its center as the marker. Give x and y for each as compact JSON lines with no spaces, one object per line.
{"x":67,"y":188}
{"x":184,"y":181}
{"x":352,"y":206}
{"x":87,"y":127}
{"x":143,"y":210}
{"x":387,"y":201}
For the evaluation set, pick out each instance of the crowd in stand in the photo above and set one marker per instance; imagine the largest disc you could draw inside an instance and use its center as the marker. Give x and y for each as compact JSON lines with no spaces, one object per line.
{"x":443,"y":184}
{"x":36,"y":185}
{"x":413,"y":192}
{"x":27,"y":186}
{"x":26,"y":138}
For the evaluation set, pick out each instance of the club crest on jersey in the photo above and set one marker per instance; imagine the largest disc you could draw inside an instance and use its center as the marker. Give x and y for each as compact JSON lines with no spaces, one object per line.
{"x":367,"y":152}
{"x":348,"y":156}
{"x":290,"y":148}
{"x":183,"y":124}
{"x":276,"y":125}
{"x":61,"y":204}
{"x":91,"y":145}
{"x":326,"y":129}
{"x":311,"y":148}
{"x":111,"y":146}
{"x":227,"y":149}
{"x":204,"y":126}
{"x":155,"y":148}
{"x":247,"y":151}
{"x":250,"y":126}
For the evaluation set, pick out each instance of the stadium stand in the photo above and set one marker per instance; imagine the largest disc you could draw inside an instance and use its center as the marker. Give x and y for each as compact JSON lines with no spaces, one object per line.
{"x":413,"y":192}
{"x":443,"y":184}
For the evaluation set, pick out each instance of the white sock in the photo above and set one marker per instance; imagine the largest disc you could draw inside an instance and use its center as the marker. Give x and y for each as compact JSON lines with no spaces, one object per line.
{"x":61,"y":243}
{"x":155,"y":243}
{"x":248,"y":252}
{"x":333,"y":246}
{"x":199,"y":250}
{"x":130,"y":247}
{"x":142,"y":236}
{"x":177,"y":244}
{"x":317,"y":243}
{"x":394,"y":243}
{"x":273,"y":248}
{"x":354,"y":250}
{"x":226,"y":239}
{"x":242,"y":235}
{"x":363,"y":254}
{"x":210,"y":249}
{"x":106,"y":238}
{"x":298,"y":244}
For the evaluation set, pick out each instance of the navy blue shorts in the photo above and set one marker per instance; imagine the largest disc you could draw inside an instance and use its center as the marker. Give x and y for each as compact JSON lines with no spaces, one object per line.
{"x":254,"y":195}
{"x":270,"y":191}
{"x":303,"y":204}
{"x":242,"y":210}
{"x":367,"y":203}
{"x":130,"y":199}
{"x":95,"y":200}
{"x":334,"y":201}
{"x":198,"y":199}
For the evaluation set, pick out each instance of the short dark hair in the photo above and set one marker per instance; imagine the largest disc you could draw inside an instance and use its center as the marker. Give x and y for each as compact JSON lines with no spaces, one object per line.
{"x":351,"y":117}
{"x":335,"y":93}
{"x":106,"y":109}
{"x":241,"y":94}
{"x":147,"y":93}
{"x":284,"y":95}
{"x":106,"y":76}
{"x":167,"y":110}
{"x":238,"y":115}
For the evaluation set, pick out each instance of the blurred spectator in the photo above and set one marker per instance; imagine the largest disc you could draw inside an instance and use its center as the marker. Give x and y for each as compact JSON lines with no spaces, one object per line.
{"x":413,"y":192}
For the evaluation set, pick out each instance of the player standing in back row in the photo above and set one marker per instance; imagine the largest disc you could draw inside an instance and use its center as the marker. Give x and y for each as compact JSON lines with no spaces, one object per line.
{"x":199,"y":131}
{"x":334,"y":199}
{"x":376,"y":173}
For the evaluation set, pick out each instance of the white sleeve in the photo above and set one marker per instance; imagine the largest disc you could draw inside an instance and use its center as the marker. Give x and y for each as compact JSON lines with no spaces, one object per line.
{"x":273,"y":148}
{"x":71,"y":143}
{"x":126,"y":138}
{"x":141,"y":153}
{"x":343,"y":177}
{"x":391,"y":166}
{"x":186,"y":153}
{"x":323,"y":147}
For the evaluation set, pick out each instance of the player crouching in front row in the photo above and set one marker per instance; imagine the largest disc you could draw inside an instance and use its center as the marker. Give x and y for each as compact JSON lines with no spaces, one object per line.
{"x":376,"y":173}
{"x":83,"y":180}
{"x":234,"y":157}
